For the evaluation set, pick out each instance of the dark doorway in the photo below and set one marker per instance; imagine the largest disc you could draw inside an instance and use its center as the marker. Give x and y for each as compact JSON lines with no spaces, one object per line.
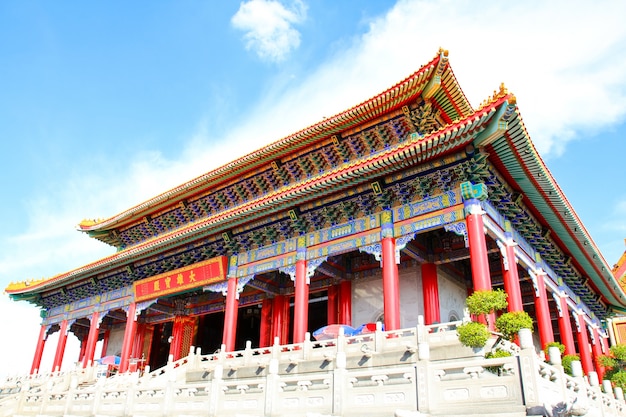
{"x":160,"y":347}
{"x":210,"y":332}
{"x":318,"y":311}
{"x":248,"y":326}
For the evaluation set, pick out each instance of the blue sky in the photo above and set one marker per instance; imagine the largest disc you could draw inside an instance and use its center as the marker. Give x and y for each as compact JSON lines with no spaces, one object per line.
{"x":106,"y":104}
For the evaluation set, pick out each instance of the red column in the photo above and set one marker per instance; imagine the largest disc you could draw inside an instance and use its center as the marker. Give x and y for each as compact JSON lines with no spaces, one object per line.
{"x":301,"y":304}
{"x":41,"y":342}
{"x":597,"y":352}
{"x":230,"y":316}
{"x":430,"y":290}
{"x":332,"y":311}
{"x":278,"y":312}
{"x":83,"y":349}
{"x":391,"y":284}
{"x":542,"y":310}
{"x":286,"y":323}
{"x":92,"y":339}
{"x":140,"y":337}
{"x":565,"y":325}
{"x":481,"y":276}
{"x":58,"y":356}
{"x":265,"y":333}
{"x":345,"y":303}
{"x":177,"y":338}
{"x":129,"y":337}
{"x":583,"y":342}
{"x":510,"y":275}
{"x":105,"y":343}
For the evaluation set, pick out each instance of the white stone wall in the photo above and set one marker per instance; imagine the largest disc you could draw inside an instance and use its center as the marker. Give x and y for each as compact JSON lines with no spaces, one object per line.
{"x":367,"y":298}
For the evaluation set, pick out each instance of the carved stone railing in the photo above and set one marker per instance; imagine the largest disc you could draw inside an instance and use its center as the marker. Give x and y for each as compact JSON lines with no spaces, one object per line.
{"x":415,"y":371}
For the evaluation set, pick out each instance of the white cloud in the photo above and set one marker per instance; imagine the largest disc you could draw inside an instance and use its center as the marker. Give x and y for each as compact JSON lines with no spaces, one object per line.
{"x":268,"y":27}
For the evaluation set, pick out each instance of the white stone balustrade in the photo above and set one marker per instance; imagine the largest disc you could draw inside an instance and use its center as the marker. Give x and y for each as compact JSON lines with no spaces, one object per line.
{"x":422,"y":370}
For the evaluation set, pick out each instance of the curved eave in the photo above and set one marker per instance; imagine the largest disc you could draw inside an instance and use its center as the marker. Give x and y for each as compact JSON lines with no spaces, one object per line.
{"x":525,"y":167}
{"x":395,"y":97}
{"x":411,"y":152}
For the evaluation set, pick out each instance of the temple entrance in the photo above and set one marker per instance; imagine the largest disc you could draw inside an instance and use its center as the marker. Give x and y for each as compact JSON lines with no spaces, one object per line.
{"x":160,"y":346}
{"x":318,"y":311}
{"x":210,"y":332}
{"x":248,"y":326}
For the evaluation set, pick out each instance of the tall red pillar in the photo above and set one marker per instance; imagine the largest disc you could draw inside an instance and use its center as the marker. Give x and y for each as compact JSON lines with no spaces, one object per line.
{"x":542,"y":309}
{"x":479,"y":261}
{"x":391,"y":284}
{"x":583,"y":342}
{"x":596,"y":347}
{"x":565,"y":324}
{"x":58,"y":356}
{"x":129,"y":337}
{"x":332,"y":310}
{"x":345,"y":303}
{"x":83,"y":349}
{"x":510,"y":274}
{"x":286,"y":323}
{"x":230,"y":315}
{"x":105,"y":343}
{"x":41,"y":342}
{"x":301,"y":304}
{"x":278,"y":318}
{"x":92,"y":339}
{"x":430,"y":291}
{"x":177,"y":338}
{"x":265,"y":332}
{"x":140,"y":337}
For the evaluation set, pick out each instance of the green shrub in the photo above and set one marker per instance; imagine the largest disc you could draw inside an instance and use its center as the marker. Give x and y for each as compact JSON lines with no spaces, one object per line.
{"x":486,"y":301}
{"x":615,"y":363}
{"x":473,"y":334}
{"x":498,"y":353}
{"x":509,"y":324}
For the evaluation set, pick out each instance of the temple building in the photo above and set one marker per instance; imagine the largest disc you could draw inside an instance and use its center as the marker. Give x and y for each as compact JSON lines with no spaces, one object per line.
{"x":392,"y":210}
{"x":619,"y":323}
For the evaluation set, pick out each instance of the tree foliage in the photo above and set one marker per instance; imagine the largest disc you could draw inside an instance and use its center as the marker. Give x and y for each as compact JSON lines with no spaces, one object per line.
{"x":486,"y":301}
{"x":615,"y":362}
{"x":473,"y":334}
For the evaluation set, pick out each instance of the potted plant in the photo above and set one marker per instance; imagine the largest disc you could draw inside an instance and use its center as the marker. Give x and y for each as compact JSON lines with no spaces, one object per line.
{"x":510,"y":323}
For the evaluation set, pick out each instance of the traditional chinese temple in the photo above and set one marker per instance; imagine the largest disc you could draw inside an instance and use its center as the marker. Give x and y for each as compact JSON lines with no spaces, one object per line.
{"x":389,"y":211}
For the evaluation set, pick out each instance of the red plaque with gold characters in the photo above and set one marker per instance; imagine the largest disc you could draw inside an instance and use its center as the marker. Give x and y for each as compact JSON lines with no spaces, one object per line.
{"x":182,"y":279}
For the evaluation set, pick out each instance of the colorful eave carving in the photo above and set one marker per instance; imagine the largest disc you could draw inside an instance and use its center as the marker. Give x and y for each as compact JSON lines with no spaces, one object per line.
{"x":434,"y":79}
{"x":495,"y":127}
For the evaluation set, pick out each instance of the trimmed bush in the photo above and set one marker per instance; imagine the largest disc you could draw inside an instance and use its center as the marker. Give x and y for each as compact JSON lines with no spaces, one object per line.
{"x":473,"y":334}
{"x":509,"y":324}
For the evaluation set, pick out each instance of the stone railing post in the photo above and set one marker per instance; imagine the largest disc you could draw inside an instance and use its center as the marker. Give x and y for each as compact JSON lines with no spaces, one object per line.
{"x":421,"y":333}
{"x":271,"y":385}
{"x":97,"y":397}
{"x":554,"y":355}
{"x":528,"y":369}
{"x":340,"y":376}
{"x":216,"y":386}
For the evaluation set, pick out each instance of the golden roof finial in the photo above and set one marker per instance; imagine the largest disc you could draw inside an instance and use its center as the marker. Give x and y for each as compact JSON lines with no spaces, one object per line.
{"x":503,"y":90}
